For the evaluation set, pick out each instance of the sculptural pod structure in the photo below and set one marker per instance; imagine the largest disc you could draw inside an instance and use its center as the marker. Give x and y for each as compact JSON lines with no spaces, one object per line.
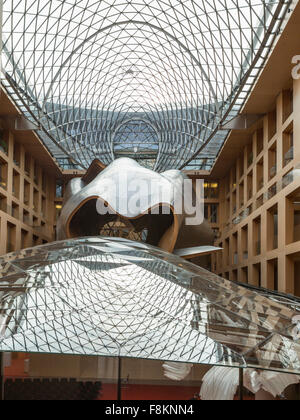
{"x":130,"y":201}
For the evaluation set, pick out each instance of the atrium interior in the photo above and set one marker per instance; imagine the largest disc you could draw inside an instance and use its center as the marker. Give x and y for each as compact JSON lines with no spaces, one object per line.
{"x":98,"y":98}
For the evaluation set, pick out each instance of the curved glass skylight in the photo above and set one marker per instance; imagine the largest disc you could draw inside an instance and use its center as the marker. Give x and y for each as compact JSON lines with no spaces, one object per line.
{"x":117,"y":298}
{"x":82,"y":68}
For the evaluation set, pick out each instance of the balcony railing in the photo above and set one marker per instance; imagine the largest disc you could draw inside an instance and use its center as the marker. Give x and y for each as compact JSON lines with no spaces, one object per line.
{"x":10,"y":210}
{"x":272,"y":191}
{"x":289,"y":156}
{"x":66,"y":164}
{"x":237,"y":220}
{"x":288,"y":179}
{"x":273,"y":171}
{"x":235,"y":258}
{"x":260,"y":184}
{"x":259,"y":202}
{"x":4,"y":148}
{"x":214,"y":217}
{"x":242,"y":216}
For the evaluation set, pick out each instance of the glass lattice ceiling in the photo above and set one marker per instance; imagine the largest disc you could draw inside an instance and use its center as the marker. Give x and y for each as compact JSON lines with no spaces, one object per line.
{"x":114,"y":297}
{"x":83,"y":68}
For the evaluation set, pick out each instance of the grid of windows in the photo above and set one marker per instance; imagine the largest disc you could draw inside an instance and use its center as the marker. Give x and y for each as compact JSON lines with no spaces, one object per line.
{"x":26,"y":198}
{"x":260,"y":206}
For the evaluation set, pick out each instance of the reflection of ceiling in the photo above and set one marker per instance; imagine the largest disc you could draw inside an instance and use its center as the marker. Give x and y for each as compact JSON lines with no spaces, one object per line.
{"x":83,"y":68}
{"x":113,"y":297}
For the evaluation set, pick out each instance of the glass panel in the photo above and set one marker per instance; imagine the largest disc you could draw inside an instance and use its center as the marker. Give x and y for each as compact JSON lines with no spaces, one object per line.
{"x":111,"y":297}
{"x":84,"y":69}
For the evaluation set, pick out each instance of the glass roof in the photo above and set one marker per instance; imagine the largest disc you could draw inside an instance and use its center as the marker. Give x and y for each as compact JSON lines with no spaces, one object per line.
{"x":113,"y":297}
{"x":81,"y":68}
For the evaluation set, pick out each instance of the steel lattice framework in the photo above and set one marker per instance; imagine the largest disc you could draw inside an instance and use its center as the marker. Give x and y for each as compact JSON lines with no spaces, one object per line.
{"x":83,"y":68}
{"x":113,"y":297}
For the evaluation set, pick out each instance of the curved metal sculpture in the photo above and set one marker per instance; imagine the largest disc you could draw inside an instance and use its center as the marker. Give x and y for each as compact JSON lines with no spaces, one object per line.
{"x":82,"y":69}
{"x":127,"y":200}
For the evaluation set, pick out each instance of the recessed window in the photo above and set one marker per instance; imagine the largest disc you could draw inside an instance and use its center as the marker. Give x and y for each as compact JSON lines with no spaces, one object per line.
{"x":15,"y":211}
{"x":272,"y":228}
{"x":17,"y":154}
{"x":27,"y":164}
{"x":235,"y":254}
{"x":257,"y":236}
{"x":44,"y":182}
{"x":250,"y":155}
{"x":272,"y":124}
{"x":257,"y":275}
{"x":3,"y":174}
{"x":245,"y":242}
{"x":44,"y":208}
{"x":3,"y":203}
{"x":16,"y":184}
{"x":244,"y":275}
{"x":211,"y":190}
{"x":35,"y":200}
{"x":241,"y":193}
{"x":59,"y":189}
{"x":260,"y":174}
{"x":260,"y":141}
{"x":241,"y":166}
{"x":287,"y":102}
{"x":11,"y":238}
{"x":273,"y":161}
{"x":250,"y":186}
{"x":26,"y":217}
{"x":288,"y":145}
{"x":35,"y":240}
{"x":214,"y":210}
{"x":24,"y":239}
{"x":3,"y":143}
{"x":26,"y":193}
{"x":36,"y":174}
{"x":272,"y":274}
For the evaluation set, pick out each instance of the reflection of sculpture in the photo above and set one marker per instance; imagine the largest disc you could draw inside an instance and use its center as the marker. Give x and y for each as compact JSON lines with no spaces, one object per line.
{"x":156,"y":223}
{"x":222,"y":383}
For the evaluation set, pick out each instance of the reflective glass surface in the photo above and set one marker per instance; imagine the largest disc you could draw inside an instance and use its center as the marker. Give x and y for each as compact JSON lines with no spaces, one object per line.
{"x":114,"y":297}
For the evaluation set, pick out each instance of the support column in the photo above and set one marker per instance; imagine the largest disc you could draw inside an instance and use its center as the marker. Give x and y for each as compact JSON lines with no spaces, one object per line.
{"x":119,"y":379}
{"x":241,"y":387}
{"x":286,"y":275}
{"x":1,"y":377}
